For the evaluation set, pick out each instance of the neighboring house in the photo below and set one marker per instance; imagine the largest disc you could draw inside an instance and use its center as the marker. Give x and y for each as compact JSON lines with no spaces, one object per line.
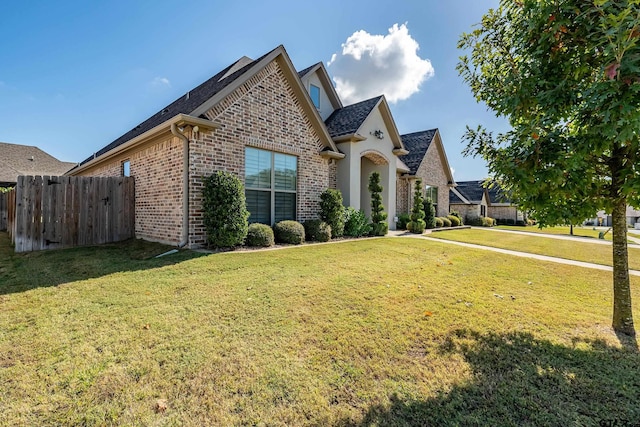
{"x":286,"y":134}
{"x":472,"y":200}
{"x":16,"y":160}
{"x":427,"y":161}
{"x":604,"y":219}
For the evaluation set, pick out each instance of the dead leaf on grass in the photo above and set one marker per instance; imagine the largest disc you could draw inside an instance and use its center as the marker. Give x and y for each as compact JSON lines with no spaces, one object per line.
{"x":160,"y":406}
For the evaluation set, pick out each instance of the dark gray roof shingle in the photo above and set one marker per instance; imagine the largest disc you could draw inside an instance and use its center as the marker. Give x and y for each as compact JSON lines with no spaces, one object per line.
{"x":453,"y":198}
{"x":18,"y":160}
{"x":185,"y":105}
{"x":304,"y":72}
{"x":471,"y":190}
{"x":347,"y":120}
{"x":417,"y":143}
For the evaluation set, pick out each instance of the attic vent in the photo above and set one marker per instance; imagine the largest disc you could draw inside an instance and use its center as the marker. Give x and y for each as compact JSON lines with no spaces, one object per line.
{"x":136,"y":128}
{"x":187,"y":95}
{"x":165,"y":111}
{"x":32,"y":158}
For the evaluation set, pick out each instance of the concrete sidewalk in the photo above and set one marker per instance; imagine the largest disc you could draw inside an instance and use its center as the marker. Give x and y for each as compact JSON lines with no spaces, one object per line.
{"x":510,"y":252}
{"x":635,"y":240}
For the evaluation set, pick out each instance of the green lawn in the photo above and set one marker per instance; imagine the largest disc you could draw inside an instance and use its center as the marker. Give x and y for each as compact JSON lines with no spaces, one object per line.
{"x":393,"y":331}
{"x":568,"y":249}
{"x":565,"y":230}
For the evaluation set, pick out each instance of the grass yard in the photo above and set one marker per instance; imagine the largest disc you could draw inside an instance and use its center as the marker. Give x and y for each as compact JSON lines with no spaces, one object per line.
{"x":568,"y":249}
{"x":564,"y":230}
{"x":387,"y":332}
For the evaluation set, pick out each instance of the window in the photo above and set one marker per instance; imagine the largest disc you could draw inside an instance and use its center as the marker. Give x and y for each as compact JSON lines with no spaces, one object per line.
{"x":314,"y":91}
{"x":431,"y":193}
{"x":483,"y":210}
{"x":126,"y":168}
{"x":270,"y":183}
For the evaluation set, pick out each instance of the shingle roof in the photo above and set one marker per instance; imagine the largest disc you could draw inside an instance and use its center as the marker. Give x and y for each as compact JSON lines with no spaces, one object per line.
{"x":417,"y":144}
{"x":498,"y":195}
{"x":304,"y":72}
{"x":185,"y":104}
{"x":18,"y":160}
{"x":453,"y":198}
{"x":471,"y":190}
{"x":347,"y":120}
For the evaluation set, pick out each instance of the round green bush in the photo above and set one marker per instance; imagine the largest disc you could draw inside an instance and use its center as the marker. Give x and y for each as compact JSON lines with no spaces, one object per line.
{"x":438,"y":222}
{"x":289,"y":232}
{"x":332,"y":211}
{"x":259,"y":235}
{"x":403,"y":220}
{"x":446,"y":222}
{"x":224,"y":210}
{"x":455,"y":221}
{"x":316,"y":230}
{"x":356,"y":223}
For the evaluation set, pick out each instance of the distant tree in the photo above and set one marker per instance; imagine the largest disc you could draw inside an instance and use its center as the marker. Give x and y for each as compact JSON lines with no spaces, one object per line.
{"x":417,"y":224}
{"x":379,"y":226}
{"x":566,"y":74}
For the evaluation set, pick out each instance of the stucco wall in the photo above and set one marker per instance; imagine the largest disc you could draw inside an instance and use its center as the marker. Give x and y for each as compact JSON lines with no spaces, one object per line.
{"x":325,"y":104}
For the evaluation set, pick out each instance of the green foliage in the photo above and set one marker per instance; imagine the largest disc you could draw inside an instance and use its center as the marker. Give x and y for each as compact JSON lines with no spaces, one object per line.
{"x":429,"y":214}
{"x":225,"y":211}
{"x":289,"y":232}
{"x":438,"y":222}
{"x":417,"y":224}
{"x":379,"y":226}
{"x":455,"y":221}
{"x":457,"y":215}
{"x":487,"y":221}
{"x":356,"y":223}
{"x":567,"y":76}
{"x":445,"y":221}
{"x":316,"y":230}
{"x":5,"y":189}
{"x":259,"y":235}
{"x":403,"y":220}
{"x":332,"y":211}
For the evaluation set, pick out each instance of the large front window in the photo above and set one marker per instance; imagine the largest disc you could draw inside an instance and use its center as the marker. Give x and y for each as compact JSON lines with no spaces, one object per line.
{"x":431,"y":193}
{"x":270,"y":181}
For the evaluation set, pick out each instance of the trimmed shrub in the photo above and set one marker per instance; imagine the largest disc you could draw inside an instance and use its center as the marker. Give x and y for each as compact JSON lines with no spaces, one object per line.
{"x":488,"y":222}
{"x":259,"y":235}
{"x":446,"y":222}
{"x":356,"y":223}
{"x":429,"y":214}
{"x":438,"y":222}
{"x":455,"y":221}
{"x":225,"y":210}
{"x":457,"y":215}
{"x":417,"y":224}
{"x":289,"y":232}
{"x":520,"y":223}
{"x":332,"y":211}
{"x":511,"y":221}
{"x":379,"y":226}
{"x":316,"y":230}
{"x":403,"y":220}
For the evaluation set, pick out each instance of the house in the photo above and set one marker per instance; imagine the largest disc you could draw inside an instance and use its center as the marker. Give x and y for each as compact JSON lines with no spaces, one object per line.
{"x":285,"y":133}
{"x":604,"y":219}
{"x":472,"y":200}
{"x":16,"y":160}
{"x":426,"y":160}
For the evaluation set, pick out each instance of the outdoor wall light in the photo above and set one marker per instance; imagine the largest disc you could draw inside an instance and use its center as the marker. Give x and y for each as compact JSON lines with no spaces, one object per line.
{"x":378,"y":134}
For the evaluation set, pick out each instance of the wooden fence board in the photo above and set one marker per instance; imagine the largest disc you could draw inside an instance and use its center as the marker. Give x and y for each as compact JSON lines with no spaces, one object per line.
{"x":58,"y":212}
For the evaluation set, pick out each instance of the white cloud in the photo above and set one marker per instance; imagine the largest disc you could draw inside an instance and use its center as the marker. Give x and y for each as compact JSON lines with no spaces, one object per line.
{"x":161,"y":81}
{"x":370,"y":65}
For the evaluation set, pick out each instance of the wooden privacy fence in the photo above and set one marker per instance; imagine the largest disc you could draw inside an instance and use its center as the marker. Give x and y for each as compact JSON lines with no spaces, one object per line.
{"x":7,"y":209}
{"x":63,"y":211}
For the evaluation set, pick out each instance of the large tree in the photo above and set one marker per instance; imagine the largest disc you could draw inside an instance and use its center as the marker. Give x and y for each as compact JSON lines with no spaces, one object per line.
{"x":566,"y":74}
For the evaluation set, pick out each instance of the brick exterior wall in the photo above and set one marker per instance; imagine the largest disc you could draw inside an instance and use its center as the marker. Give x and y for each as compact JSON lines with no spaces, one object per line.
{"x":262,"y":113}
{"x":157,"y":169}
{"x":503,"y":212}
{"x":467,"y":212}
{"x":402,"y":195}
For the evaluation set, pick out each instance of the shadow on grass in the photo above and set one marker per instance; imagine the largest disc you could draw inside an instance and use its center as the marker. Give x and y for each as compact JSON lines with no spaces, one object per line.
{"x":520,"y":381}
{"x":25,"y":271}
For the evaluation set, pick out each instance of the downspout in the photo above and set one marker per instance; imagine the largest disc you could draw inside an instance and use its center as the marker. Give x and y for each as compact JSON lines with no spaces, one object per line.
{"x":185,"y":184}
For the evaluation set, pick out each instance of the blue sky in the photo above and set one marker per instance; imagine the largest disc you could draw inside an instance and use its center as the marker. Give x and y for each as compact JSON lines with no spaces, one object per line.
{"x":75,"y":75}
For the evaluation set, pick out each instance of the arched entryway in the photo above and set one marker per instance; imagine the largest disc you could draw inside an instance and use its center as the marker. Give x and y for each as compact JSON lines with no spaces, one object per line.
{"x":373,"y":161}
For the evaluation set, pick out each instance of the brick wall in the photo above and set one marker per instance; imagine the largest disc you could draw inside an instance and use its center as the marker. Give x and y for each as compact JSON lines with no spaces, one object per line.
{"x":157,"y":169}
{"x":503,"y":212}
{"x":262,"y":113}
{"x":432,"y":172}
{"x":402,"y":195}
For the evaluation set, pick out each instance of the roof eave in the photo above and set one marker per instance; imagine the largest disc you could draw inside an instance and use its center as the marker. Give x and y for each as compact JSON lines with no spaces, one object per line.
{"x":351,"y":137}
{"x":180,"y":120}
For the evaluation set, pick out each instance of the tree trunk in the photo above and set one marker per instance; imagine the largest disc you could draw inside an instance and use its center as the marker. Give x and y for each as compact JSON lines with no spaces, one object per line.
{"x":622,"y":315}
{"x":571,"y":230}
